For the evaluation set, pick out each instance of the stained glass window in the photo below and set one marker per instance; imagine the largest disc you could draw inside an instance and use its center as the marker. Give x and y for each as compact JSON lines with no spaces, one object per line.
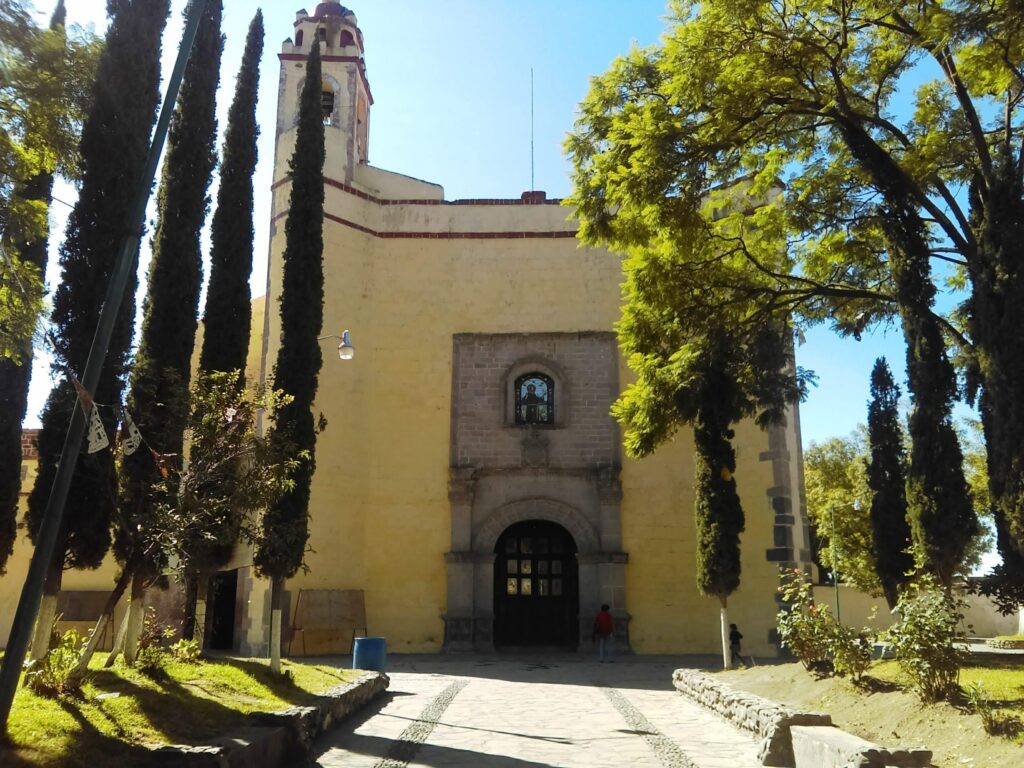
{"x":527,"y":566}
{"x":513,"y":566}
{"x":535,"y":399}
{"x":511,"y":586}
{"x":525,"y":587}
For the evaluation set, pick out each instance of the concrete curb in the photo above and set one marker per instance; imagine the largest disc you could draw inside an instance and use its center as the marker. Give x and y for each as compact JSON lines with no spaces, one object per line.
{"x":792,"y":739}
{"x":764,"y":718}
{"x":277,"y":738}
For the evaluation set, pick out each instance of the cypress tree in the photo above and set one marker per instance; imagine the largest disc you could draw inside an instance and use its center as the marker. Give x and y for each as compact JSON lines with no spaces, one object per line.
{"x":228,"y":313}
{"x":285,"y":530}
{"x":718,"y":512}
{"x":886,"y":479}
{"x":159,"y":396}
{"x":15,"y":377}
{"x":114,"y":146}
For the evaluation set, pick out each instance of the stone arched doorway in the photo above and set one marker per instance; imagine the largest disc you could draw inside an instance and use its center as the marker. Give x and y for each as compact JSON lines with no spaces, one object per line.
{"x":536,"y":586}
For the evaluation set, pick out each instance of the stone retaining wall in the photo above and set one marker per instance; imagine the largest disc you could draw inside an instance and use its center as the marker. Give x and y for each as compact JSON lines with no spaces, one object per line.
{"x":280,"y":738}
{"x":995,"y":642}
{"x":764,"y":718}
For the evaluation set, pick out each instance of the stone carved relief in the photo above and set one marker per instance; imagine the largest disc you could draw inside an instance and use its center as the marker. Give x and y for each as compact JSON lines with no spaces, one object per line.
{"x":535,"y":448}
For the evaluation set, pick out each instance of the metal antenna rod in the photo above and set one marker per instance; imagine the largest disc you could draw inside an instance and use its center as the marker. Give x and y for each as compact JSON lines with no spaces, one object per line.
{"x":533,"y":184}
{"x":28,"y":605}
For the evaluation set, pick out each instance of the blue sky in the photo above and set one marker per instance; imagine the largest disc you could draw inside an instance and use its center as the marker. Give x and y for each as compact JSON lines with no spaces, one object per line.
{"x":451,"y":84}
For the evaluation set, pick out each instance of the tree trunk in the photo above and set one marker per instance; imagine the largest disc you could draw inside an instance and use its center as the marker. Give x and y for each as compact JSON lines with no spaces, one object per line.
{"x":136,"y":614}
{"x":188,"y":626}
{"x":276,"y":598}
{"x":723,"y":615}
{"x":122,"y":631}
{"x":101,"y":624}
{"x":47,"y":610}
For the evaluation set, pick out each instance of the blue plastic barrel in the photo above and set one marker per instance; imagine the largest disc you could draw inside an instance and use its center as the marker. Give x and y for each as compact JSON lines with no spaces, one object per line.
{"x":370,"y":653}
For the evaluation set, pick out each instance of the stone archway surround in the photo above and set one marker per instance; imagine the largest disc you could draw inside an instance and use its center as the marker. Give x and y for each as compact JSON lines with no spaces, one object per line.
{"x":469,"y":618}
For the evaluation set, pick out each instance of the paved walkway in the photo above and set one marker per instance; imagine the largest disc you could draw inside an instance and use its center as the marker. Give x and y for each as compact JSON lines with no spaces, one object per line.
{"x":529,"y":712}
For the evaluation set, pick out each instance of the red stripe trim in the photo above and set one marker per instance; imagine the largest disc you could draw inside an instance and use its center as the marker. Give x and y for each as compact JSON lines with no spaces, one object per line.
{"x":512,"y":235}
{"x":422,"y":201}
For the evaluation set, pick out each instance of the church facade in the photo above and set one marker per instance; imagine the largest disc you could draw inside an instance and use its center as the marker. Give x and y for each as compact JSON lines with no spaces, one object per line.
{"x":471,"y":482}
{"x":471,"y":491}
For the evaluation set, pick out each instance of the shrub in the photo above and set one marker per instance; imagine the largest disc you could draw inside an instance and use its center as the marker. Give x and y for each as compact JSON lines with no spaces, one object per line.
{"x":805,"y":627}
{"x":851,"y":651}
{"x":52,"y":675}
{"x":186,"y":651}
{"x":923,"y":640}
{"x":152,"y":656}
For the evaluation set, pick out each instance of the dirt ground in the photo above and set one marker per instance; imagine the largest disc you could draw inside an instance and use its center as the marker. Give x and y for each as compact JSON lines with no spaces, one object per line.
{"x":891,"y":718}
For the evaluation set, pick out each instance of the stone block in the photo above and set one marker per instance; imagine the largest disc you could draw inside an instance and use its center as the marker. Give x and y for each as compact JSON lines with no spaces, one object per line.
{"x":830,"y":747}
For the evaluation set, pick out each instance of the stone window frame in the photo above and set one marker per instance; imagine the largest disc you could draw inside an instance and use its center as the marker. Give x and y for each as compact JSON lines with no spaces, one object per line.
{"x":325,"y":79}
{"x":553,"y":371}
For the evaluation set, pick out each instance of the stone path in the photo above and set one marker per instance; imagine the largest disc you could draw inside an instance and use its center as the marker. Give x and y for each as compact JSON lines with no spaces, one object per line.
{"x":531,"y":712}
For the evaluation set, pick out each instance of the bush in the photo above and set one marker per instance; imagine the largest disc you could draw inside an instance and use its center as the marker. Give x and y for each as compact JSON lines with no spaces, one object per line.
{"x":923,"y":639}
{"x":52,"y":675}
{"x":805,"y":627}
{"x":186,"y":651}
{"x":851,"y":651}
{"x":152,"y":657}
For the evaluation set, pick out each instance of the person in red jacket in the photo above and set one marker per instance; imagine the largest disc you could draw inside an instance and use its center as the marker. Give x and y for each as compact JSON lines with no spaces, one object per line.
{"x":604,"y":634}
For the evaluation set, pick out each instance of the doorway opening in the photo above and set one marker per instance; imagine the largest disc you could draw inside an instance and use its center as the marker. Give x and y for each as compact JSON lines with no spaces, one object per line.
{"x":536,"y":586}
{"x":220,"y":609}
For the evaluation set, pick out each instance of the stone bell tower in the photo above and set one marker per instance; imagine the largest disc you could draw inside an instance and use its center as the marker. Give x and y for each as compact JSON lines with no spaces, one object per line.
{"x":346,"y":97}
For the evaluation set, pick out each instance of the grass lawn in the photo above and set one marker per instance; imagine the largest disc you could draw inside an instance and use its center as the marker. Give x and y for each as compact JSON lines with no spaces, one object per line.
{"x":194,"y":703}
{"x":889,"y":714}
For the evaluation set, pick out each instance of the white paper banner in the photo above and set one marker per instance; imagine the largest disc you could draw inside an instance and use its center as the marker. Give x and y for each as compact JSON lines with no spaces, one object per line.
{"x":98,"y":439}
{"x":134,"y":440}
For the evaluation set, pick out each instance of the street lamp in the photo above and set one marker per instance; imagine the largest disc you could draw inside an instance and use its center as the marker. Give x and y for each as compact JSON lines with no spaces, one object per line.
{"x":345,"y":349}
{"x":834,"y":544}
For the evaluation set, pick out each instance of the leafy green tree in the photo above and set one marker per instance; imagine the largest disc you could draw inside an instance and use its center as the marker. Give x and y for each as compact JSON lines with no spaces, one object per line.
{"x":161,"y":371}
{"x":281,"y":545}
{"x":228,"y":313}
{"x":837,"y":492}
{"x":231,"y":475}
{"x":891,"y":545}
{"x":25,"y":250}
{"x":45,"y":80}
{"x":739,"y":95}
{"x":114,"y":145}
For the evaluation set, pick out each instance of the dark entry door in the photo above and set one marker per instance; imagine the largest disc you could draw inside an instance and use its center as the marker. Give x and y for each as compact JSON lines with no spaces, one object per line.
{"x":536,"y":586}
{"x":220,"y":609}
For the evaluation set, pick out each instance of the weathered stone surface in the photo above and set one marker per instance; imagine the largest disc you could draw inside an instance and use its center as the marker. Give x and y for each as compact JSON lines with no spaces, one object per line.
{"x":767,"y":719}
{"x":828,"y":747}
{"x":278,"y":738}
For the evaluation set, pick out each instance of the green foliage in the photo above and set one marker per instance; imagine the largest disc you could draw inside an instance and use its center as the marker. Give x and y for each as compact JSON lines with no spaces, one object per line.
{"x":186,"y":651}
{"x":52,"y":675}
{"x":281,"y":547}
{"x":153,"y":655}
{"x":114,"y":144}
{"x":835,"y":481}
{"x":228,"y":312}
{"x":811,"y":633}
{"x":738,"y":96}
{"x":851,"y":651}
{"x":805,"y":627}
{"x":890,"y":540}
{"x":230,"y":477}
{"x":923,"y":641}
{"x":159,"y":397}
{"x":45,"y":77}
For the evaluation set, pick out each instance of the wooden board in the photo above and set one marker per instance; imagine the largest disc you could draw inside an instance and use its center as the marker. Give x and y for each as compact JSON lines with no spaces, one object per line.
{"x":329,"y":610}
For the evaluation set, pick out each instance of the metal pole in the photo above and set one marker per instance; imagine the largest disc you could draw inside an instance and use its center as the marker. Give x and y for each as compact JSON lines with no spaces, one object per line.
{"x":835,"y":562}
{"x":28,"y":605}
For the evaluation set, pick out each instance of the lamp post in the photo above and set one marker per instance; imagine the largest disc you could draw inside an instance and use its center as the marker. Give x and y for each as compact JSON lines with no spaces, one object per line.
{"x":345,"y":349}
{"x":834,"y":545}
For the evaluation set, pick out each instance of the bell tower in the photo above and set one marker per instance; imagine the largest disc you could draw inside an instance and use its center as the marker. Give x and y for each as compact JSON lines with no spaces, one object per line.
{"x":346,"y":97}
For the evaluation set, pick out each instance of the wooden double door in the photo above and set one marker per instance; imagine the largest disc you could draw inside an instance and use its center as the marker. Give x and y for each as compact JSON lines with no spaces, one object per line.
{"x":536,"y":586}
